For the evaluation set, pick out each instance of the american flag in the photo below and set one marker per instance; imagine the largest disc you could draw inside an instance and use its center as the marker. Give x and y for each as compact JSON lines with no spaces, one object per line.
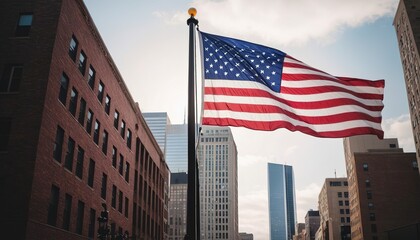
{"x":262,"y":88}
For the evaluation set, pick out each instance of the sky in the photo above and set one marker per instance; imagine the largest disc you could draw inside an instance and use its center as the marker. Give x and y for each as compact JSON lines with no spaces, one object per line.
{"x":148,"y":40}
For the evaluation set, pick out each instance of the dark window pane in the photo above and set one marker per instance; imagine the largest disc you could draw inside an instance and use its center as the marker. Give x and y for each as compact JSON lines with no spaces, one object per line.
{"x":105,"y":142}
{"x":11,"y":78}
{"x":120,"y":201}
{"x":64,"y":84}
{"x":104,"y":184}
{"x":365,"y":167}
{"x":79,"y":163}
{"x":372,"y":217}
{"x":129,"y":138}
{"x":80,"y":217}
{"x":127,"y":171}
{"x":91,"y":77}
{"x":92,"y":222}
{"x":114,"y":156}
{"x":126,"y":208}
{"x":121,"y":167}
{"x":58,"y":144}
{"x":122,"y":128}
{"x":91,"y":173}
{"x":82,"y":62}
{"x":101,"y":88}
{"x":5,"y":126}
{"x":82,"y":112}
{"x":73,"y":48}
{"x":114,"y":196}
{"x":107,"y":104}
{"x":96,"y":132}
{"x":67,"y":212}
{"x":24,"y":25}
{"x":70,"y":154}
{"x":116,"y":119}
{"x":89,"y":122}
{"x":53,"y":205}
{"x":369,"y":194}
{"x":73,"y":101}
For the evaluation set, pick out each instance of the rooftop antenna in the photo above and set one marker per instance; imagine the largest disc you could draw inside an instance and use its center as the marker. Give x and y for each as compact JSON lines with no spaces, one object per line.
{"x":335,"y":173}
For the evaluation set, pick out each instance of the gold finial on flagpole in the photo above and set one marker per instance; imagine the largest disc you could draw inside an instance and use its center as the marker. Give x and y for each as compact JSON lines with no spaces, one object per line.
{"x":192,"y":12}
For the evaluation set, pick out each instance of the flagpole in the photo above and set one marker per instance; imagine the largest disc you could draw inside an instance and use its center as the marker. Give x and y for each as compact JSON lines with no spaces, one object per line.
{"x":192,"y":206}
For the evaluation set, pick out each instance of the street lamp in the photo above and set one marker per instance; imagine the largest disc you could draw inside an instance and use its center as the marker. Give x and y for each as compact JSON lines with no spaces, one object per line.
{"x":103,"y":230}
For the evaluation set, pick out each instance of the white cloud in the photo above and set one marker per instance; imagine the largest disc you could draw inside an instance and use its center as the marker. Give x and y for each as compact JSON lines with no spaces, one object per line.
{"x":400,"y":127}
{"x":284,"y":21}
{"x":307,"y":198}
{"x":253,"y":213}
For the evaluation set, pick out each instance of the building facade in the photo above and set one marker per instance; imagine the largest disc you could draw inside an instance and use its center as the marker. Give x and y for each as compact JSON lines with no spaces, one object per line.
{"x":71,"y":136}
{"x":176,"y":148}
{"x":246,"y":236}
{"x":158,"y":123}
{"x":407,"y":27}
{"x":281,"y":201}
{"x":178,"y":206}
{"x":384,"y":186}
{"x":312,"y":221}
{"x":334,"y":210}
{"x":218,"y":174}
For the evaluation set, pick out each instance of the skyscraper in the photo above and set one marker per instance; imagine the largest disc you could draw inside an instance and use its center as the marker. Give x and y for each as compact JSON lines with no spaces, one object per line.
{"x":407,"y":27}
{"x":176,"y":147}
{"x":178,"y":206}
{"x":158,"y":123}
{"x":384,"y":186}
{"x":281,"y":201}
{"x":218,"y":172}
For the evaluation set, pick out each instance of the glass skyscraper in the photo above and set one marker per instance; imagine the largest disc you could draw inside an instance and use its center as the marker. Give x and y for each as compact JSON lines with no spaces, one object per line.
{"x":158,"y":123}
{"x":281,"y":201}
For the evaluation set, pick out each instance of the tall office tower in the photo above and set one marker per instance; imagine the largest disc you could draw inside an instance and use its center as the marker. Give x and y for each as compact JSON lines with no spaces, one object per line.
{"x":218,"y":173}
{"x":158,"y":123}
{"x":71,"y":136}
{"x":334,"y":209}
{"x":176,"y":147}
{"x":384,"y":186}
{"x":281,"y":201}
{"x":311,"y":224}
{"x":178,"y":206}
{"x":407,"y":26}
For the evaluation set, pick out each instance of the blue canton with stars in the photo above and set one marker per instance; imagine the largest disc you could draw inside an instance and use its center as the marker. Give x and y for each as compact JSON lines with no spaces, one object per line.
{"x":228,"y":58}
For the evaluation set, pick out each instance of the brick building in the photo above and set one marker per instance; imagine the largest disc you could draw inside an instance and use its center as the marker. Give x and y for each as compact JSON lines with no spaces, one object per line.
{"x":71,"y":136}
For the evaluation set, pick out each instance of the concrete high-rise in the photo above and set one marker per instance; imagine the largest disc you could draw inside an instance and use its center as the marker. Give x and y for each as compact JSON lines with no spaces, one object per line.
{"x":281,"y":201}
{"x":384,"y":186}
{"x":178,"y":206}
{"x":218,"y":173}
{"x":334,"y":209}
{"x":311,"y":224}
{"x":71,"y":136}
{"x":407,"y":27}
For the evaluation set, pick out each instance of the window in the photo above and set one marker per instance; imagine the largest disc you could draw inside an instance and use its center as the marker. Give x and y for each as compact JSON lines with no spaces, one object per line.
{"x":346,"y":202}
{"x":73,"y":47}
{"x":340,"y":194}
{"x":341,"y":211}
{"x":92,"y":222}
{"x":340,"y":203}
{"x":346,"y":183}
{"x":11,"y":78}
{"x":67,"y":212}
{"x":91,"y":173}
{"x":129,"y":138}
{"x":343,"y":220}
{"x":347,"y":211}
{"x":70,"y":154}
{"x":415,"y":164}
{"x":89,"y":122}
{"x":346,"y":194}
{"x":120,"y":201}
{"x":369,"y":194}
{"x":58,"y":144}
{"x":73,"y":101}
{"x":373,"y":228}
{"x":82,"y":112}
{"x":91,"y":77}
{"x":114,"y":196}
{"x":103,"y":187}
{"x":122,"y":128}
{"x":101,"y":88}
{"x":24,"y":25}
{"x":80,"y":216}
{"x":5,"y":126}
{"x":126,"y":207}
{"x":367,"y":183}
{"x":53,"y":205}
{"x":116,"y":119}
{"x":348,"y":219}
{"x":79,"y":162}
{"x":335,"y":184}
{"x":365,"y":167}
{"x":105,"y":142}
{"x":82,"y":62}
{"x":392,"y":145}
{"x":96,"y":131}
{"x":370,"y":206}
{"x":107,"y":104}
{"x":121,"y":167}
{"x":64,"y":84}
{"x":372,"y":217}
{"x":114,"y":156}
{"x":127,"y":171}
